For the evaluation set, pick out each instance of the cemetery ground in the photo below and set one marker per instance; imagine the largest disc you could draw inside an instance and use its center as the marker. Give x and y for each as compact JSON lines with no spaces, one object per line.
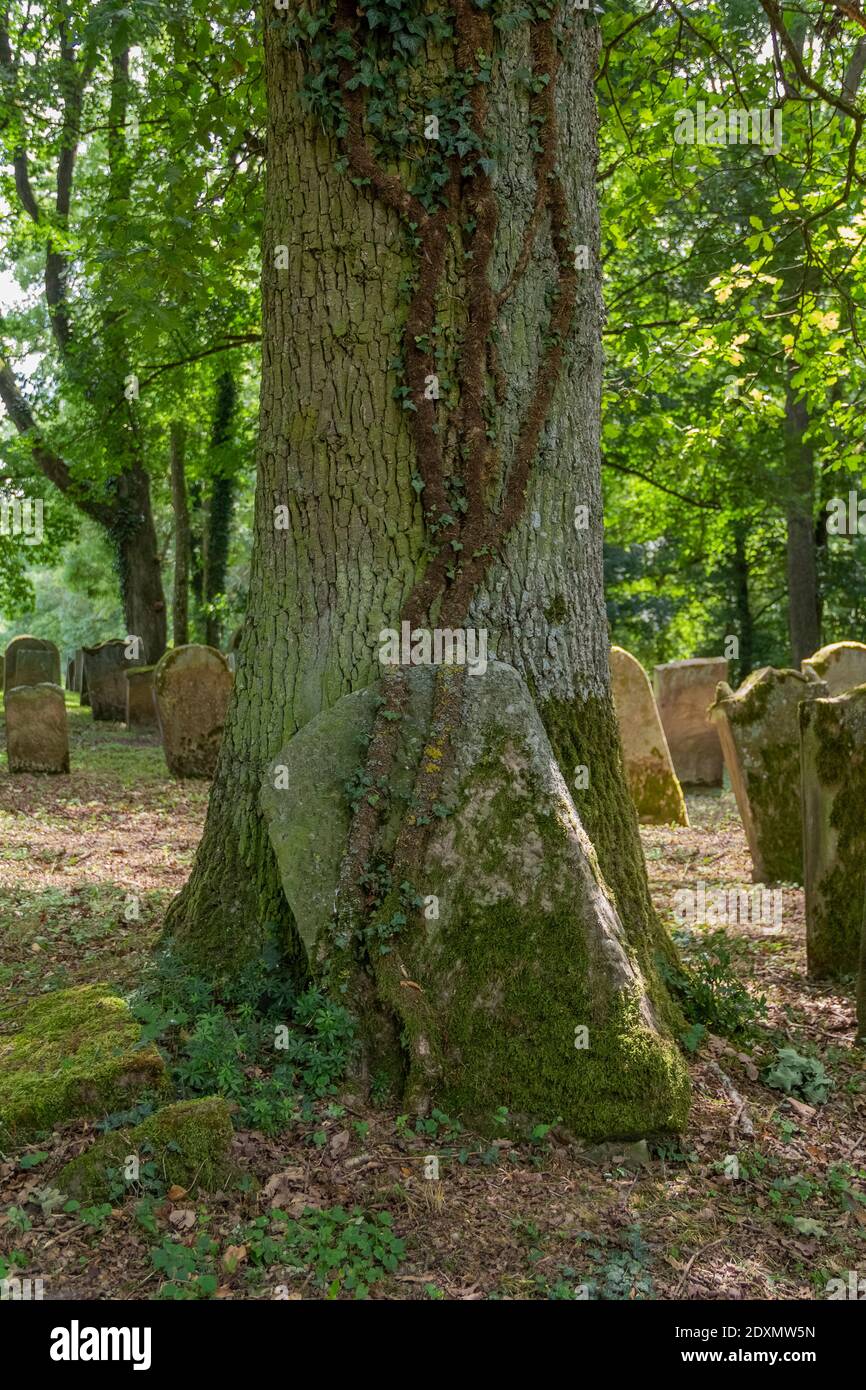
{"x":721,"y":1213}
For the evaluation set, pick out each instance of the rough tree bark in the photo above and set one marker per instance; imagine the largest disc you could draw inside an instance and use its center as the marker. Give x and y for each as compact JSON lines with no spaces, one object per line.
{"x":336,"y":451}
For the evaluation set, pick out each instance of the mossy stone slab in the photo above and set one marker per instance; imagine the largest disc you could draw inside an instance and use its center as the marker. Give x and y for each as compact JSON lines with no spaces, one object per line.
{"x":655,"y":789}
{"x":75,"y":1054}
{"x":833,"y":766}
{"x":759,"y":728}
{"x":189,"y":1142}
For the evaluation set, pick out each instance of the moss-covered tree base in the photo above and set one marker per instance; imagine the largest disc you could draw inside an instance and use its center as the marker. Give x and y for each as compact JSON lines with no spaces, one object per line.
{"x":76,"y":1054}
{"x":504,"y":969}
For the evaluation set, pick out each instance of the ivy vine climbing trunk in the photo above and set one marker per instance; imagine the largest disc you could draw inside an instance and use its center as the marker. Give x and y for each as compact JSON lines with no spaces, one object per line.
{"x":429,"y":419}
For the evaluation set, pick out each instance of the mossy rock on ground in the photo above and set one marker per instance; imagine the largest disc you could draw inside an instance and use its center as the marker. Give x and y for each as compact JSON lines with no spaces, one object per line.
{"x":492,"y":994}
{"x":188,"y":1142}
{"x":76,"y":1054}
{"x":758,"y":725}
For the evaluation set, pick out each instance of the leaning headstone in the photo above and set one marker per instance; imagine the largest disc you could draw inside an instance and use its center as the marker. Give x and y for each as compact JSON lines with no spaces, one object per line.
{"x":105,"y":669}
{"x":517,"y":979}
{"x":140,"y":703}
{"x":36,"y":735}
{"x":30,"y":661}
{"x":684,"y":691}
{"x":655,"y":791}
{"x":759,"y":728}
{"x":842,"y":665}
{"x":833,"y":765}
{"x":192,"y":686}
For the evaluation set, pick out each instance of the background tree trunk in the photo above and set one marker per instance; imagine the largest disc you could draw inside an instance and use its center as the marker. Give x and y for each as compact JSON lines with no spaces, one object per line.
{"x":181,"y":536}
{"x":804,"y":625}
{"x":336,"y":452}
{"x":219,"y":512}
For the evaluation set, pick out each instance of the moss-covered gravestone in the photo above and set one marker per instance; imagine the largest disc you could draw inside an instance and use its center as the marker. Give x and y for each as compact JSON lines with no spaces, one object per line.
{"x":188,"y":1143}
{"x":37,"y":739}
{"x":841,"y":665}
{"x":515,"y":985}
{"x":140,"y":701}
{"x":760,"y":733}
{"x":192,"y":686}
{"x":30,"y":661}
{"x":655,"y":791}
{"x":105,"y":669}
{"x":833,"y":764}
{"x":684,"y":691}
{"x":76,"y":1054}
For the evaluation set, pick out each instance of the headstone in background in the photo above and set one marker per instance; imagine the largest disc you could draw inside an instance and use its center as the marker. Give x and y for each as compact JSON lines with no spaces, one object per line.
{"x":833,"y":769}
{"x":37,"y":739}
{"x":655,"y":791}
{"x":759,"y":728}
{"x":140,"y":702}
{"x":105,"y":669}
{"x":684,"y":691}
{"x":192,"y":685}
{"x":841,"y":665}
{"x":30,"y":661}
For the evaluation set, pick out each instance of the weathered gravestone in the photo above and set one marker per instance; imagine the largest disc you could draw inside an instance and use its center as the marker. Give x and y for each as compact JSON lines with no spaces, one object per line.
{"x":105,"y":669}
{"x":841,"y":665}
{"x":30,"y":661}
{"x":833,"y":765}
{"x":192,"y":686}
{"x":140,"y":702}
{"x":655,"y":791}
{"x":36,"y":735}
{"x":684,"y":691}
{"x":759,"y":728}
{"x":517,"y":980}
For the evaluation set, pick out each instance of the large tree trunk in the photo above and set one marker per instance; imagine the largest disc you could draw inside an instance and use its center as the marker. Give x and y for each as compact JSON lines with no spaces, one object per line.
{"x":335,"y":450}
